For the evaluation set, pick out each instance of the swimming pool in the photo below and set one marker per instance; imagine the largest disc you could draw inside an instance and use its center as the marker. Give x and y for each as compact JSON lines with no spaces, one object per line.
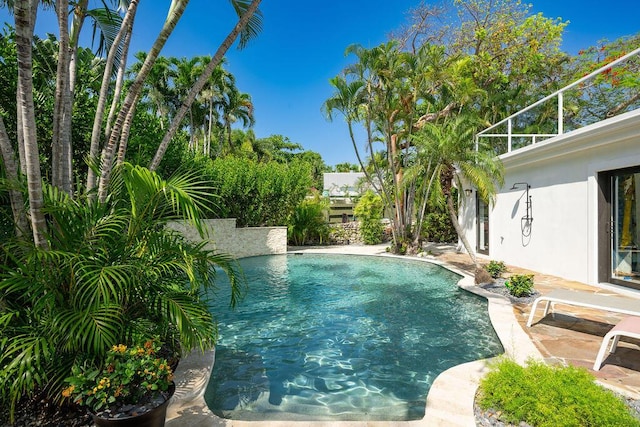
{"x":335,"y":337}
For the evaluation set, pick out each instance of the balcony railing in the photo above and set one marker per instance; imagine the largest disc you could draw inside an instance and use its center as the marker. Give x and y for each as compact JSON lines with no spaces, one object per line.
{"x":516,"y":140}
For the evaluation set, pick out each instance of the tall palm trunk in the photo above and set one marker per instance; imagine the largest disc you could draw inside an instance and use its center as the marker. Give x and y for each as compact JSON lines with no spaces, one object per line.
{"x":61,"y":140}
{"x":447,"y":180}
{"x":454,"y":219}
{"x":11,"y":171}
{"x":201,"y":82}
{"x":24,"y":34}
{"x":124,"y":136}
{"x":175,"y":12}
{"x":118,"y":87}
{"x":21,"y":156}
{"x":96,"y":132}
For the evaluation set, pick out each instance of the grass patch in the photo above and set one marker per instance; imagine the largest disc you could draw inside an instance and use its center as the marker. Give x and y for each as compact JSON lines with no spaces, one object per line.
{"x":552,"y":396}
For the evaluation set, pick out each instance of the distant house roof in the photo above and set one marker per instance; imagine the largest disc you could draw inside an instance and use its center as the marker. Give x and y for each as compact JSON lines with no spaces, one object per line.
{"x":342,"y":184}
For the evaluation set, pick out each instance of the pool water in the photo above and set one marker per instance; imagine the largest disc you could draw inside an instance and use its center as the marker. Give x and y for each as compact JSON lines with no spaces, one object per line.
{"x":335,"y":337}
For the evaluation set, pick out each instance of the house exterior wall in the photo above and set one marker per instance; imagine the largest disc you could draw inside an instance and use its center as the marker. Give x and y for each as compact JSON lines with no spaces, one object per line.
{"x":563,"y":174}
{"x":223,"y":236}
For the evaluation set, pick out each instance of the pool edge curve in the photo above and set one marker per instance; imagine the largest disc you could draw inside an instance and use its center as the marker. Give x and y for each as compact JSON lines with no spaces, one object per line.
{"x":450,"y":401}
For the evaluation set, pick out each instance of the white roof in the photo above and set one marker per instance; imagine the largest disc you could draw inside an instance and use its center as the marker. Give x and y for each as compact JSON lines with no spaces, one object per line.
{"x":340,"y":184}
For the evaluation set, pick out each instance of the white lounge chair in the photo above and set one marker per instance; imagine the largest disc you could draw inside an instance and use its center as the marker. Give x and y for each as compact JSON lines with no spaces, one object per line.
{"x":628,"y":327}
{"x":615,"y":304}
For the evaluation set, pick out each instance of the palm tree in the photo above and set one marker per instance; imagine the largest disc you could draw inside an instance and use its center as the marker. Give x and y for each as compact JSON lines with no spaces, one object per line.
{"x":184,"y":73}
{"x":116,"y":44}
{"x":24,"y":19}
{"x":247,"y":27}
{"x":115,"y":270}
{"x":450,"y":148}
{"x":122,"y":123}
{"x":236,"y":106}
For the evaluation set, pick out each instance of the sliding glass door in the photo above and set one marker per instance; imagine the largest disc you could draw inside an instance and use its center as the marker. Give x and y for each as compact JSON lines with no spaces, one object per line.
{"x":482,"y":226}
{"x":625,"y":227}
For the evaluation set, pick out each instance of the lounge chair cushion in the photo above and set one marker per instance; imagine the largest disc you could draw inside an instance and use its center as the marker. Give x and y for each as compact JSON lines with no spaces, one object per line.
{"x":627,"y":327}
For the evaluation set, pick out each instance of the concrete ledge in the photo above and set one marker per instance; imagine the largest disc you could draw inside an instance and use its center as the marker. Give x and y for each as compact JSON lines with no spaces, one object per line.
{"x":222,"y":235}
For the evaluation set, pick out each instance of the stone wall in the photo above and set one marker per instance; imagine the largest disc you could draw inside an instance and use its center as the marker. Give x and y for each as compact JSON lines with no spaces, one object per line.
{"x":346,"y":233}
{"x":223,"y":236}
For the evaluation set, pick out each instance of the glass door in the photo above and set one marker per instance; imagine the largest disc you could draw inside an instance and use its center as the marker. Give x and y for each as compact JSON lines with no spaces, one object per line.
{"x":625,"y":230}
{"x":482,"y":226}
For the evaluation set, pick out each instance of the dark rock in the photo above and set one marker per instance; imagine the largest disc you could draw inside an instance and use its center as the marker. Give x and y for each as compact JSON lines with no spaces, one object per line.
{"x":483,"y":276}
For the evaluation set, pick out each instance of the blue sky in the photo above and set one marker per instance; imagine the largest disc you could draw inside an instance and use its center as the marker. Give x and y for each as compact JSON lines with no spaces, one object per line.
{"x":286,"y":70}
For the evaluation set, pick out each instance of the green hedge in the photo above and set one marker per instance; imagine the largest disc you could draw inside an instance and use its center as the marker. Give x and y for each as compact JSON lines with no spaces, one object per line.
{"x":256,"y":194}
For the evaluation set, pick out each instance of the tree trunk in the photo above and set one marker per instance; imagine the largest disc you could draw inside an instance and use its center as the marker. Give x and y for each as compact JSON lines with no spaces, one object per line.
{"x":20,"y":135}
{"x":118,"y":88}
{"x":454,"y":219}
{"x":201,"y":82}
{"x":175,"y":12}
{"x":61,"y":141}
{"x":24,"y":35}
{"x":11,"y":171}
{"x":124,"y":136}
{"x":104,"y":90}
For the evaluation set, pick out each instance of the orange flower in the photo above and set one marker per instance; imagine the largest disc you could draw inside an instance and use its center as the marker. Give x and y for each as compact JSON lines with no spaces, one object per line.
{"x":120,"y":348}
{"x":67,"y":391}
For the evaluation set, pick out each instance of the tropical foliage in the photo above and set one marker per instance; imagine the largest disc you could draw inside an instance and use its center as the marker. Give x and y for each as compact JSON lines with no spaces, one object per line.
{"x":368,"y":212}
{"x":113,"y":271}
{"x":90,"y":262}
{"x":256,"y":194}
{"x":420,"y":98}
{"x":308,"y":223}
{"x":543,"y":395}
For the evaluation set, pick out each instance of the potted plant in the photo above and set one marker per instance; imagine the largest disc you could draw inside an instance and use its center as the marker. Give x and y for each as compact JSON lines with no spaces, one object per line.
{"x":132,"y":387}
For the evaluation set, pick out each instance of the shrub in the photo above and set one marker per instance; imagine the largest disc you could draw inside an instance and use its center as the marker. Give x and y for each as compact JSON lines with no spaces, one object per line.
{"x":114,"y":271}
{"x":437,"y":227}
{"x":520,"y":285}
{"x":546,"y":396}
{"x":368,"y":210}
{"x":495,"y":268}
{"x":129,"y":376}
{"x":256,"y":194}
{"x":308,"y":223}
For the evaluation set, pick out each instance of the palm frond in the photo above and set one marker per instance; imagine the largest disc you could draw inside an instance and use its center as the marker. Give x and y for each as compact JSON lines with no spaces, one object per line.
{"x":253,"y":27}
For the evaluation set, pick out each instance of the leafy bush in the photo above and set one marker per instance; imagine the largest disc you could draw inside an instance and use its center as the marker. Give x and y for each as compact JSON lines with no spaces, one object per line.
{"x":256,"y":194}
{"x":368,"y":211}
{"x":129,"y":376}
{"x":308,"y":222}
{"x":520,"y":285}
{"x":437,"y":227}
{"x":495,"y":268}
{"x":114,"y":271}
{"x":550,"y":396}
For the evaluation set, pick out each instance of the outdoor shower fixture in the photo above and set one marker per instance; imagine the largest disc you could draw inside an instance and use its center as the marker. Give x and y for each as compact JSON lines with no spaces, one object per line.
{"x":528,"y":218}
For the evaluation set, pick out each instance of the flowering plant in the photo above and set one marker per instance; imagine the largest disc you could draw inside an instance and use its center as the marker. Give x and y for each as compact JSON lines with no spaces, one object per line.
{"x":130,"y":376}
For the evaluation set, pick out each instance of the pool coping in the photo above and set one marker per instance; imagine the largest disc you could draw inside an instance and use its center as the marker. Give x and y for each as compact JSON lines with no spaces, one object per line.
{"x":450,"y":401}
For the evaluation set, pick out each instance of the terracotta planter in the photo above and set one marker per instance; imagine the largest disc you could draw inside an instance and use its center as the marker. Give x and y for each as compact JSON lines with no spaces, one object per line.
{"x":152,"y":418}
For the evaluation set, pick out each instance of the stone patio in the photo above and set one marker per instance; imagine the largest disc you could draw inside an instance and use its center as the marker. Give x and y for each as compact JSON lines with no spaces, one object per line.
{"x":572,"y":335}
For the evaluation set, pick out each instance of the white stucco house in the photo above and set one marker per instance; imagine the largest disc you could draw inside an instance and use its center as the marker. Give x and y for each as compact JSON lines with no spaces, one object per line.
{"x":570,"y":205}
{"x":342,"y":184}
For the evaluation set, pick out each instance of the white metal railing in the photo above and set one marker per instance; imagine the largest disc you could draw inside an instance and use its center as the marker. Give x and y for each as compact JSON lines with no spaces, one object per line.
{"x":560,"y":97}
